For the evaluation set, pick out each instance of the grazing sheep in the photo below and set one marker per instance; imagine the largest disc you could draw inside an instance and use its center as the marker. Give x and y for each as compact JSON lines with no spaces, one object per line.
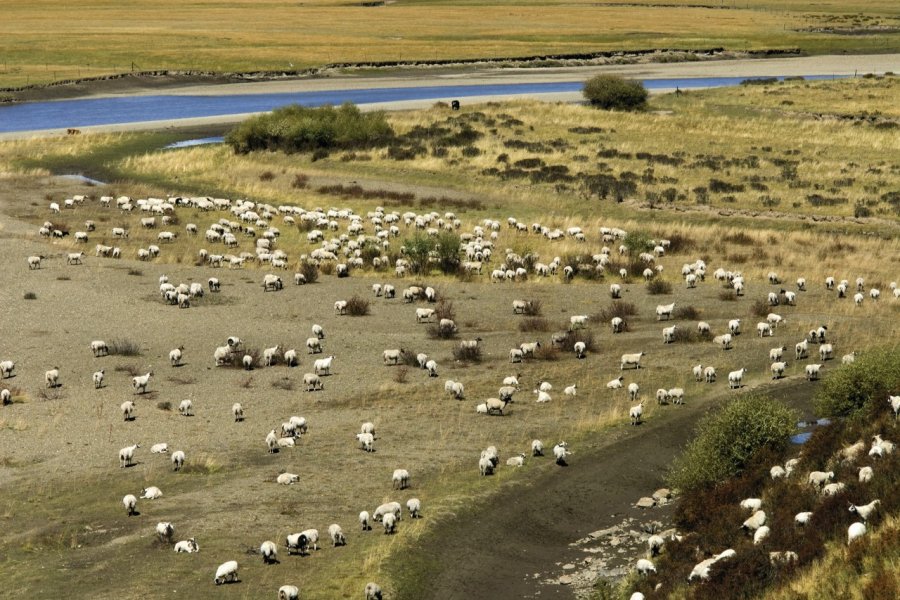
{"x":313,"y":345}
{"x":516,"y":355}
{"x":757,"y":520}
{"x":812,"y":372}
{"x":97,"y":378}
{"x":126,"y":455}
{"x":723,"y":340}
{"x":580,"y":349}
{"x":289,"y":592}
{"x":364,"y":520}
{"x":495,"y":405}
{"x":644,"y":567}
{"x":709,"y":373}
{"x":826,"y":352}
{"x":560,"y":452}
{"x":481,"y":409}
{"x":777,"y":369}
{"x":802,"y":518}
{"x":615,"y":291}
{"x":618,"y":324}
{"x":736,"y":378}
{"x":226,"y":573}
{"x":636,"y":412}
{"x":431,"y":367}
{"x":775,"y":354}
{"x":373,"y":591}
{"x":676,"y":395}
{"x":337,"y":535}
{"x":99,"y":348}
{"x":400,"y":479}
{"x":655,"y":544}
{"x":631,"y":359}
{"x":866,"y":474}
{"x":819,"y":478}
{"x":127,"y":408}
{"x":866,"y":510}
{"x":6,"y":369}
{"x":151,"y":493}
{"x":177,"y":460}
{"x":537,"y":448}
{"x":52,"y":377}
{"x":130,"y":503}
{"x":734,"y":326}
{"x":751,"y":504}
{"x":389,"y":522}
{"x":485,"y":466}
{"x":633,"y":391}
{"x":186,"y":408}
{"x":763,"y":329}
{"x":414,"y":506}
{"x":760,"y":535}
{"x":777,"y":472}
{"x":165,"y":531}
{"x":140,"y":382}
{"x":296,"y":542}
{"x":880,"y":445}
{"x":366,"y":441}
{"x":855,"y":531}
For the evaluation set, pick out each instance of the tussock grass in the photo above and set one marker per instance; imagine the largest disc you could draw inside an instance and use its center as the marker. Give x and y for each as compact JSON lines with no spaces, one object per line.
{"x":124,"y":347}
{"x":534,"y":324}
{"x":357,"y":306}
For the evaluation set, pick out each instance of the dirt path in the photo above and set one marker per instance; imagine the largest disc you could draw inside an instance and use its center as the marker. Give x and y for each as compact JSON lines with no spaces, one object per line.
{"x":498,"y":550}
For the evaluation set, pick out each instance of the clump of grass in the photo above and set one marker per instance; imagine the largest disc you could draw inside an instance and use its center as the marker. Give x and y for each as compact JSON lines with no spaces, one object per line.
{"x":534,"y":324}
{"x":181,"y":380}
{"x":759,"y":308}
{"x":266,"y":176}
{"x":326,"y":268}
{"x":64,"y":278}
{"x":54,"y":393}
{"x":408,"y":358}
{"x":300,"y":181}
{"x":401,"y":374}
{"x":164,"y":405}
{"x":687,"y":313}
{"x":727,"y":296}
{"x":468,"y":354}
{"x":201,"y":465}
{"x":30,"y":296}
{"x":616,"y":309}
{"x":284,"y":383}
{"x":444,"y":310}
{"x":236,"y":359}
{"x":533,"y":307}
{"x":357,"y":306}
{"x":548,"y":353}
{"x":246,"y":382}
{"x":132,"y":370}
{"x":135,"y":272}
{"x":657,"y":287}
{"x":16,"y":396}
{"x":124,"y":347}
{"x":689,"y":335}
{"x":580,"y":335}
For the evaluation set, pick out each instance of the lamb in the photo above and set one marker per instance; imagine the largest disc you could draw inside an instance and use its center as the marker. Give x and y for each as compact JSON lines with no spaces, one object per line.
{"x":615,"y":384}
{"x":99,"y":348}
{"x":186,"y":408}
{"x":571,"y":390}
{"x":855,"y":531}
{"x":560,"y":452}
{"x":177,"y":460}
{"x":151,"y":493}
{"x":52,"y":377}
{"x":636,"y":412}
{"x":644,"y":566}
{"x":516,"y":461}
{"x":631,"y":359}
{"x":364,"y":521}
{"x":289,"y":592}
{"x":127,"y":408}
{"x":226,"y":573}
{"x":130,"y":503}
{"x":777,"y":369}
{"x":140,"y":382}
{"x":287,"y":478}
{"x":664,"y":310}
{"x":819,"y":478}
{"x":537,"y":448}
{"x":97,"y":377}
{"x":175,"y":356}
{"x":757,"y":520}
{"x":723,"y":340}
{"x":414,"y":506}
{"x":812,"y":372}
{"x":389,"y":522}
{"x":735,"y":378}
{"x":323,"y":365}
{"x":865,"y":510}
{"x":126,"y":455}
{"x":400,"y":479}
{"x":709,"y":373}
{"x":160,"y":448}
{"x":165,"y":531}
{"x":189,"y":546}
{"x":337,"y":535}
{"x":373,"y":591}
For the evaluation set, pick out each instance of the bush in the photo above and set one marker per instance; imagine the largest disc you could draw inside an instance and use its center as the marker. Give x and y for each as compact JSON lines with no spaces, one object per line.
{"x":447,"y":250}
{"x":401,"y":374}
{"x":418,"y":251}
{"x":300,"y":181}
{"x":861,"y":386}
{"x":30,"y":296}
{"x":657,"y":287}
{"x":616,"y":309}
{"x":124,"y":348}
{"x":759,"y":308}
{"x":300,"y":129}
{"x":309,"y":270}
{"x":689,"y":313}
{"x":611,"y":92}
{"x":534,"y":324}
{"x":357,"y":306}
{"x":726,"y":441}
{"x":444,"y":310}
{"x":468,"y":354}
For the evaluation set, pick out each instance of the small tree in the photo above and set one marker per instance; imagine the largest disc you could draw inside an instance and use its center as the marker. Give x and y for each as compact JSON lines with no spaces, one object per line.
{"x":611,"y":92}
{"x":862,"y":385}
{"x":447,"y":250}
{"x":418,"y":251}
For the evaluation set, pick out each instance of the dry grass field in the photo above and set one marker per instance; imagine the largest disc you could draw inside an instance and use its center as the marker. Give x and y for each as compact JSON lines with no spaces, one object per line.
{"x":60,"y":481}
{"x":52,"y":40}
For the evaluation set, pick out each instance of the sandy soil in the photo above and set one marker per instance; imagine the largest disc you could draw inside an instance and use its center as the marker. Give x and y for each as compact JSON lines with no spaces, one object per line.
{"x":811,"y":65}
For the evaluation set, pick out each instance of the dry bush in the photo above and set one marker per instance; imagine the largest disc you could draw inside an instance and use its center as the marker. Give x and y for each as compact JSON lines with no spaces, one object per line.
{"x":728,"y":296}
{"x":309,"y":270}
{"x":616,"y":309}
{"x":165,"y":405}
{"x":444,"y":310}
{"x":135,"y":272}
{"x":357,"y":306}
{"x":284,"y":383}
{"x":236,"y":359}
{"x":688,"y":313}
{"x":181,"y":380}
{"x":50,"y":393}
{"x":124,"y":347}
{"x":408,"y":358}
{"x":533,"y":307}
{"x":132,"y":370}
{"x":534,"y":324}
{"x":266,"y":176}
{"x":246,"y":382}
{"x":300,"y":181}
{"x":326,"y":268}
{"x":658,"y":287}
{"x":436,"y":332}
{"x":689,"y":335}
{"x":759,"y":308}
{"x":468,"y":354}
{"x":30,"y":296}
{"x":401,"y":374}
{"x":548,"y":353}
{"x":580,"y":335}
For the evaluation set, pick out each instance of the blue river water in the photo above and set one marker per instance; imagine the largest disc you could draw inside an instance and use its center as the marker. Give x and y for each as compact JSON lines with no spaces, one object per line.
{"x":62,"y":114}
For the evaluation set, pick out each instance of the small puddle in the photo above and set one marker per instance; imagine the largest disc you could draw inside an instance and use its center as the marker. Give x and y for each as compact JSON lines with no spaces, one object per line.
{"x":82,"y":179}
{"x":195,"y":142}
{"x":802,"y":437}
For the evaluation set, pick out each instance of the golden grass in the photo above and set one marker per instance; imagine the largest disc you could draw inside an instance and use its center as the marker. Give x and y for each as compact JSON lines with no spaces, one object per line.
{"x":40,"y":44}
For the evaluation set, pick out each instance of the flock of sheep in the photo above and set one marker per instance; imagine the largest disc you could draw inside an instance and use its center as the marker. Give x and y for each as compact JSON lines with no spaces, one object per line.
{"x":346,"y":251}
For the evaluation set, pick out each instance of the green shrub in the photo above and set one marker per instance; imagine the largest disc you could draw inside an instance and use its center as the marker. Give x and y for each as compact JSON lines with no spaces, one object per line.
{"x":299,"y":129}
{"x":726,"y":441}
{"x":862,"y":385}
{"x":615,"y":93}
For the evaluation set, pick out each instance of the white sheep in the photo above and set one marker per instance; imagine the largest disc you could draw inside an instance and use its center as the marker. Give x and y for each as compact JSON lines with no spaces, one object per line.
{"x":151,"y":493}
{"x":826,"y":352}
{"x":865,"y":511}
{"x":431,"y":366}
{"x":165,"y":531}
{"x":819,"y":478}
{"x":366,"y":441}
{"x":373,"y":591}
{"x":542,"y":397}
{"x":485,"y":466}
{"x":495,"y":405}
{"x":313,"y":345}
{"x":571,"y":391}
{"x":287,"y":478}
{"x":323,"y":365}
{"x":516,"y":461}
{"x":760,"y":535}
{"x":97,"y":378}
{"x":187,"y":546}
{"x":400,"y":479}
{"x":676,"y":395}
{"x":130,"y":503}
{"x":414,"y":506}
{"x":697,"y":370}
{"x":777,"y":369}
{"x":312,"y":382}
{"x":734,"y":326}
{"x":560,"y":452}
{"x":736,"y":378}
{"x":812,"y":372}
{"x":186,"y":408}
{"x":636,"y":412}
{"x":389,"y":522}
{"x":140,"y":382}
{"x":616,"y":384}
{"x":751,"y":504}
{"x":160,"y":448}
{"x":537,"y":448}
{"x":238,"y":411}
{"x":855,"y":531}
{"x":126,"y":455}
{"x":894,"y":401}
{"x":866,"y":474}
{"x":99,"y":348}
{"x":296,"y":542}
{"x":631,"y":359}
{"x":337,"y":535}
{"x":763,"y":329}
{"x":364,"y":521}
{"x":709,"y":373}
{"x":775,"y":354}
{"x":655,"y":544}
{"x":755,"y":521}
{"x":723,"y":340}
{"x":481,"y":409}
{"x":644,"y":566}
{"x":226,"y":573}
{"x":848,"y":359}
{"x":286,"y":442}
{"x":801,"y":349}
{"x":127,"y":408}
{"x":580,"y":349}
{"x":802,"y":518}
{"x":633,"y":391}
{"x":777,"y":472}
{"x":52,"y":377}
{"x":6,"y":369}
{"x":578,"y":322}
{"x":177,"y":460}
{"x":669,"y":334}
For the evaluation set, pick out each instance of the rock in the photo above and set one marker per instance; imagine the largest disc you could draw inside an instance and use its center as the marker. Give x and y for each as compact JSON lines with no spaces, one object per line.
{"x":662,"y":494}
{"x":565,"y":580}
{"x":652,"y":527}
{"x":603,"y":532}
{"x":646,"y":503}
{"x":568,"y":567}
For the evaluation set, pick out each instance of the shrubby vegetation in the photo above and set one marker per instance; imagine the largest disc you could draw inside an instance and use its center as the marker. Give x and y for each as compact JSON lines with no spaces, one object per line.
{"x":727,"y":440}
{"x":297,"y":128}
{"x":861,"y":386}
{"x":615,"y":93}
{"x":423,"y":251}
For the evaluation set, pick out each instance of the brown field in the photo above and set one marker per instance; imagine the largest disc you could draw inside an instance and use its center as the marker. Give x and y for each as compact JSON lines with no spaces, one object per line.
{"x":49,"y":41}
{"x":60,"y":481}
